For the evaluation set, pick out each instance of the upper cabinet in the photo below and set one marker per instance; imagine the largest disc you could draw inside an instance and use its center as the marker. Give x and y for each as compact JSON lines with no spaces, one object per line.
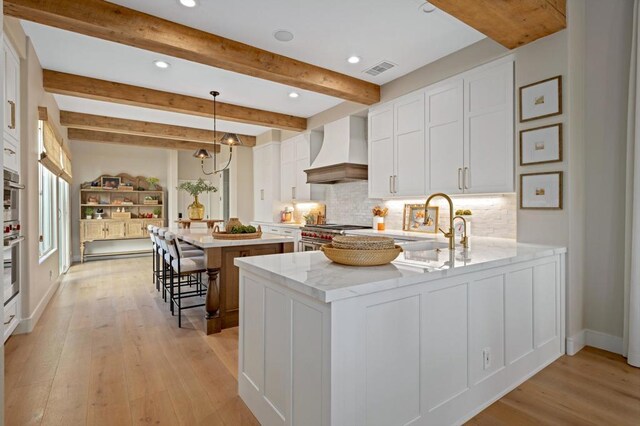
{"x":266,"y":181}
{"x":456,"y":136}
{"x":295,"y":156}
{"x":11,"y":133}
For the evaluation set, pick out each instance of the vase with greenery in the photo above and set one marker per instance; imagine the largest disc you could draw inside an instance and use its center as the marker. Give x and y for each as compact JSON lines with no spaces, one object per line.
{"x":88,"y":213}
{"x":152,"y":181}
{"x":196,"y":210}
{"x":156,"y":212}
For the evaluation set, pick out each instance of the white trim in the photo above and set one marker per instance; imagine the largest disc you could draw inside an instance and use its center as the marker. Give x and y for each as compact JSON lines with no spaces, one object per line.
{"x":595,"y":339}
{"x":28,"y":324}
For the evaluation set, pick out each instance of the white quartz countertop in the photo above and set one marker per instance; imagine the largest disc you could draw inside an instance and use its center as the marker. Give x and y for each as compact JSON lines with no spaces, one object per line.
{"x":202,"y":238}
{"x":280,"y":224}
{"x":311,"y":273}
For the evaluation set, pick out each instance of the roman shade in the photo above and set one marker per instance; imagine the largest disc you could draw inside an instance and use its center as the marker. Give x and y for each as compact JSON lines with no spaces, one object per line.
{"x":54,"y":154}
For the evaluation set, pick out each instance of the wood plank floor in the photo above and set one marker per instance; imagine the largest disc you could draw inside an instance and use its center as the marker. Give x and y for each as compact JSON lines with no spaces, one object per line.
{"x":107,"y":352}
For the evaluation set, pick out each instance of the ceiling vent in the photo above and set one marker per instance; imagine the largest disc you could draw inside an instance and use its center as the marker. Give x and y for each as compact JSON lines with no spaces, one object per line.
{"x":380,"y":68}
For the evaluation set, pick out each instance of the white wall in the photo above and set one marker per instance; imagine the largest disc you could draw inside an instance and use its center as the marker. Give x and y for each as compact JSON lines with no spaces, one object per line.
{"x":189,"y":169}
{"x":91,"y":160}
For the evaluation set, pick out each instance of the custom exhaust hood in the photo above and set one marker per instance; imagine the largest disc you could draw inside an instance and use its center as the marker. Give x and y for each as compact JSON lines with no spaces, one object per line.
{"x":343,"y":155}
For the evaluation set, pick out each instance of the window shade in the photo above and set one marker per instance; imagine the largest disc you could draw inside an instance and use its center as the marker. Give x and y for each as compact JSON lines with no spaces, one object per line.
{"x":53,"y":156}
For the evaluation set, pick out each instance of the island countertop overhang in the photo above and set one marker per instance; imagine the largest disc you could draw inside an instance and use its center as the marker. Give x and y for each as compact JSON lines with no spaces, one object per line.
{"x":203,"y":239}
{"x":312,"y":274}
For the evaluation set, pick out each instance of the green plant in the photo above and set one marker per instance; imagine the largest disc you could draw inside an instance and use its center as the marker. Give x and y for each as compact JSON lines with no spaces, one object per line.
{"x":244,"y":229}
{"x":461,"y":212}
{"x":152,"y":181}
{"x":89,"y":211}
{"x":197,"y":188}
{"x":157,"y":211}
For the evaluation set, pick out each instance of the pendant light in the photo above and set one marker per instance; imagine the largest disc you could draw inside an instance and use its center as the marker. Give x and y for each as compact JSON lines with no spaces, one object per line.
{"x":230,"y":139}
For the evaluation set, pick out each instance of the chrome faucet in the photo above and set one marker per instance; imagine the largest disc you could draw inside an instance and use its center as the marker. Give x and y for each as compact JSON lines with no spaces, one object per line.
{"x":451,"y":235}
{"x":465,"y":239}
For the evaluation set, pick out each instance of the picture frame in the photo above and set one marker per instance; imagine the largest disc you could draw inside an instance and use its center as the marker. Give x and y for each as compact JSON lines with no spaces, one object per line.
{"x":541,"y":145}
{"x":541,"y":99}
{"x":110,"y":182}
{"x":541,"y":191}
{"x":413,"y":218}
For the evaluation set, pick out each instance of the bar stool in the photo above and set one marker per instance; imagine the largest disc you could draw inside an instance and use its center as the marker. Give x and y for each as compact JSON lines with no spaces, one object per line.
{"x":188,"y":252}
{"x":188,"y":272}
{"x":154,"y":252}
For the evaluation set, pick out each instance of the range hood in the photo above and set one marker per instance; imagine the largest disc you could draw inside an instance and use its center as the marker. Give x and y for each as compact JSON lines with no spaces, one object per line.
{"x":343,"y":156}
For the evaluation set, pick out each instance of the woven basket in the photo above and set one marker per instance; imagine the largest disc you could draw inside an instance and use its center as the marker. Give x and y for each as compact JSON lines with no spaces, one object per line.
{"x":350,"y":242}
{"x":360,"y":257}
{"x":229,"y":236}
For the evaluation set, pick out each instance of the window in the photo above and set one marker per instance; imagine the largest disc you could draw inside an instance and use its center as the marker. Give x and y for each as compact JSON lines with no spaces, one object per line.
{"x":47,"y":203}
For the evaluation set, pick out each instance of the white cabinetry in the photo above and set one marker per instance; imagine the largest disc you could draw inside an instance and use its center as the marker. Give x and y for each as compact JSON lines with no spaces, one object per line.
{"x":295,"y":158}
{"x":11,"y":133}
{"x":456,"y":136}
{"x":266,"y":181}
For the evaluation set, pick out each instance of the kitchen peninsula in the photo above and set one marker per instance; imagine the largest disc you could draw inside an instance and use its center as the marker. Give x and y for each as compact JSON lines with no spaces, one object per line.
{"x":221,"y":303}
{"x":432,"y":338}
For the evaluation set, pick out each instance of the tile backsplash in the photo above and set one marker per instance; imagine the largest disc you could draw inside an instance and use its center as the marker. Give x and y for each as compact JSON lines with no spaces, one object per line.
{"x":493,"y":215}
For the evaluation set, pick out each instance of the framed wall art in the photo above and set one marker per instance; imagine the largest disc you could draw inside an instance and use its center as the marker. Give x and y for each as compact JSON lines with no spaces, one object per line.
{"x":541,"y":99}
{"x":541,"y":191}
{"x":110,"y":182}
{"x":541,"y":145}
{"x":414,"y":218}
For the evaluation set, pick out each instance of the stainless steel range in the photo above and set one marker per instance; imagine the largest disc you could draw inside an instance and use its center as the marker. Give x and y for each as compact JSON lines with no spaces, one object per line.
{"x":314,"y":236}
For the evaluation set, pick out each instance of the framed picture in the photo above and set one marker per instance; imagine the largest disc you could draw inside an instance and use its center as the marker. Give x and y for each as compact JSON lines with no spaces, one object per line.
{"x":541,"y":191}
{"x":541,"y":145}
{"x":414,"y":218}
{"x":541,"y":99}
{"x":110,"y":182}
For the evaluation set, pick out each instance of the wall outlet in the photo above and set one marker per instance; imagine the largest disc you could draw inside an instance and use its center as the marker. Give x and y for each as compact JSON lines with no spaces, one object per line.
{"x":50,"y":275}
{"x":486,"y":358}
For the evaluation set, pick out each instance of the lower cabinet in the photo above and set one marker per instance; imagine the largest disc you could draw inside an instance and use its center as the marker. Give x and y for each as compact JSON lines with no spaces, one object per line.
{"x":108,"y":229}
{"x":114,"y":230}
{"x":135,"y":228}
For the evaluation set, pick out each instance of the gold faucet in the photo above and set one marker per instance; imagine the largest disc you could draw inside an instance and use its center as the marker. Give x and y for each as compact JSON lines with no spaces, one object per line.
{"x":451,"y":235}
{"x":465,"y":238}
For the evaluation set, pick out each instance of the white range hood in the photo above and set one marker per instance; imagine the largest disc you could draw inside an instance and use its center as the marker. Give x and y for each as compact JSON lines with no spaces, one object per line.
{"x":343,"y":156}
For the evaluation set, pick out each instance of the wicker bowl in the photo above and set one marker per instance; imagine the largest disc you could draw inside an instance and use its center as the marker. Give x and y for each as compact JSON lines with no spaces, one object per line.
{"x":218,"y":235}
{"x":349,"y":242}
{"x":360,"y":257}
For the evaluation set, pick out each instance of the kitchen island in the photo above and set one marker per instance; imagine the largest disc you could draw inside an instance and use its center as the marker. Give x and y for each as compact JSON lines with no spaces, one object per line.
{"x":222,"y":302}
{"x":432,"y":338}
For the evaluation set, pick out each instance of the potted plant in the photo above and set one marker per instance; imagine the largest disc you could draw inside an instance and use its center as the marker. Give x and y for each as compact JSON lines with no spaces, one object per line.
{"x":379,"y":213}
{"x":195,"y":209}
{"x":156,"y":212}
{"x":152,"y":181}
{"x":88,"y":213}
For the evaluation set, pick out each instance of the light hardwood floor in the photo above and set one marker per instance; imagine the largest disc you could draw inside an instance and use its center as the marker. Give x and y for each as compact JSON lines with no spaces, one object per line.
{"x":107,"y":351}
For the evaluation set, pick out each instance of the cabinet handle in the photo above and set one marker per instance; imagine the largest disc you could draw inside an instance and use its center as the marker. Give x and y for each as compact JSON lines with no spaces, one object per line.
{"x":13,"y":114}
{"x":466,"y":178}
{"x":293,"y":192}
{"x":390,"y":184}
{"x":395,"y":184}
{"x":11,"y":317}
{"x":9,"y":151}
{"x":460,"y":178}
{"x":262,"y":195}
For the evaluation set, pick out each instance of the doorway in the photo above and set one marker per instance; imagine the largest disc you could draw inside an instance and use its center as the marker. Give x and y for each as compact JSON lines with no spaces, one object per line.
{"x":64,"y":226}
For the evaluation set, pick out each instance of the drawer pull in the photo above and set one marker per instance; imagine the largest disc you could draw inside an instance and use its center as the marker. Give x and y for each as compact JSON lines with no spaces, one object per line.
{"x":9,"y":151}
{"x":13,"y":115}
{"x":11,"y":317}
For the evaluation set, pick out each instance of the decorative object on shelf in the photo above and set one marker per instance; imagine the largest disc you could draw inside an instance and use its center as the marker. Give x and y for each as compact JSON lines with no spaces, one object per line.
{"x":352,"y":257}
{"x":153,"y":182}
{"x":196,"y":209}
{"x":88,"y":213}
{"x":309,"y":219}
{"x":414,"y":220}
{"x":459,"y":225}
{"x":150,"y":200}
{"x":240,"y":232}
{"x":541,"y":145}
{"x":157,"y":212}
{"x":379,"y":214}
{"x":541,"y":191}
{"x":232,"y":223}
{"x":286,"y":215}
{"x":99,"y":213}
{"x":125,"y":187}
{"x":121,"y":214}
{"x":230,"y":139}
{"x":541,"y":99}
{"x":110,"y":182}
{"x":92,"y":199}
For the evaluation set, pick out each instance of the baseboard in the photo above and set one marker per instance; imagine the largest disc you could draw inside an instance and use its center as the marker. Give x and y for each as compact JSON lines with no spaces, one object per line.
{"x":28,"y":324}
{"x":595,"y":339}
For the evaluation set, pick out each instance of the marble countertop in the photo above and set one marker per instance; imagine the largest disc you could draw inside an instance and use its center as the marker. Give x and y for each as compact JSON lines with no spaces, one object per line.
{"x":311,"y":273}
{"x":280,"y":224}
{"x":202,"y":238}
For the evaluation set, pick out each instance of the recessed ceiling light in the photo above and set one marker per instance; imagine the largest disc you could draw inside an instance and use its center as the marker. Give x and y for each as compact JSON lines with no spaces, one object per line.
{"x":427,"y":7}
{"x":283,"y":35}
{"x":189,"y":3}
{"x":161,"y":64}
{"x":293,"y":95}
{"x":353,"y":59}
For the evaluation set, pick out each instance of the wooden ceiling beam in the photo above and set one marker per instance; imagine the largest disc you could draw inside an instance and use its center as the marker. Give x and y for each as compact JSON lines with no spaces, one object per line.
{"x":512,"y":23}
{"x":78,"y":120}
{"x":102,"y":90}
{"x":108,"y":21}
{"x":83,"y":135}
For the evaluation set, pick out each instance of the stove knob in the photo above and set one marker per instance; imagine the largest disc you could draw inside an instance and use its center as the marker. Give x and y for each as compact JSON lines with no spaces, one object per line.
{"x":17,"y":227}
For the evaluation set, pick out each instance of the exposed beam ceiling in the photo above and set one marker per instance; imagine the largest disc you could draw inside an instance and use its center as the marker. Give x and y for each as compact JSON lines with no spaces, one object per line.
{"x":83,"y":135}
{"x":512,"y":23}
{"x":77,"y":120}
{"x":102,"y":90}
{"x":97,"y":18}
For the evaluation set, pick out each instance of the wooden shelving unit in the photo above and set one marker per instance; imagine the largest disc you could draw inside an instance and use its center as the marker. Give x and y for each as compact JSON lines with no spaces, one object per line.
{"x":114,"y":226}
